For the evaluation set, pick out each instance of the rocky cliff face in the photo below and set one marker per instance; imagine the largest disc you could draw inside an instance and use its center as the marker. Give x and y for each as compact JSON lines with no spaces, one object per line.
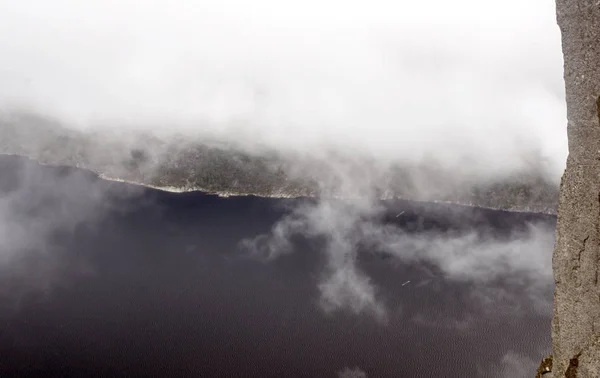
{"x":576,"y":259}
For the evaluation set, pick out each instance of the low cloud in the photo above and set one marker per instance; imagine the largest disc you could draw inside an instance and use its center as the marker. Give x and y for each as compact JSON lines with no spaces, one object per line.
{"x":352,"y":373}
{"x":515,"y":365}
{"x":521,"y":260}
{"x":41,"y":208}
{"x":477,"y":91}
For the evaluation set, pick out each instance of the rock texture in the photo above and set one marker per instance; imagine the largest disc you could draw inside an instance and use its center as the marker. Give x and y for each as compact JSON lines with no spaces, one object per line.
{"x":545,"y":368}
{"x":576,"y":259}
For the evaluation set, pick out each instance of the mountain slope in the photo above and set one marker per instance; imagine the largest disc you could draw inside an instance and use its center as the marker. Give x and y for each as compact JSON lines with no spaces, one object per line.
{"x":178,"y":163}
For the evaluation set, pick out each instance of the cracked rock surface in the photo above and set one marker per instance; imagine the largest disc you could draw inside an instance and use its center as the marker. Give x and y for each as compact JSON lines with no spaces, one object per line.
{"x":576,"y":321}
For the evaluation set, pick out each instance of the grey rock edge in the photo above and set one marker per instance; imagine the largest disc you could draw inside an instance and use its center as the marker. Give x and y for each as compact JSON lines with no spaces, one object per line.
{"x":576,"y":320}
{"x":182,"y":165}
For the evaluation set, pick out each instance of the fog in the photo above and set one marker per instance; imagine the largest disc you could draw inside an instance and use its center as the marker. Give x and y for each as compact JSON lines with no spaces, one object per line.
{"x":515,"y":365}
{"x":39,"y":210}
{"x":352,"y":373}
{"x":45,"y":210}
{"x":477,"y":257}
{"x":474,"y":85}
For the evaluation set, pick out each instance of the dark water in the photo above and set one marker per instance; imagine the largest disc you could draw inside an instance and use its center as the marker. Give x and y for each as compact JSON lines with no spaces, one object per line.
{"x":154,"y":285}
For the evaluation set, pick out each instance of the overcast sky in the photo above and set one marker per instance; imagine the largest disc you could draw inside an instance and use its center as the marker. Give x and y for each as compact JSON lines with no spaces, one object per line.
{"x":463,"y":80}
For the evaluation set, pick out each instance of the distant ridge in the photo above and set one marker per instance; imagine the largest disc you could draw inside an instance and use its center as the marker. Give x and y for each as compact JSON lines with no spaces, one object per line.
{"x":183,"y":166}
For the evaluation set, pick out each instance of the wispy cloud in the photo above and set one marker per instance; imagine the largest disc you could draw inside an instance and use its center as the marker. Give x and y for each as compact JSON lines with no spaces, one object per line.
{"x":352,"y":373}
{"x":40,"y":209}
{"x":347,"y":228}
{"x":514,"y":365}
{"x":477,"y":90}
{"x":474,"y":89}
